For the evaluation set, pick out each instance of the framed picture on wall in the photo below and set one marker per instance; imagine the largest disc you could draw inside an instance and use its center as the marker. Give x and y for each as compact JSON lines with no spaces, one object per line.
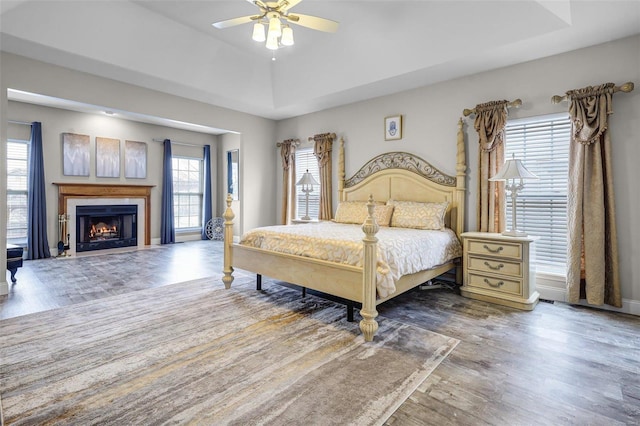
{"x":75,"y":154}
{"x":135,"y":160}
{"x":107,"y":157}
{"x":393,"y":128}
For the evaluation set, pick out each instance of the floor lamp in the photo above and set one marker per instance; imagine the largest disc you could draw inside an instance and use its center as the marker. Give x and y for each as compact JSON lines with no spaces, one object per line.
{"x":511,"y":170}
{"x":306,"y":182}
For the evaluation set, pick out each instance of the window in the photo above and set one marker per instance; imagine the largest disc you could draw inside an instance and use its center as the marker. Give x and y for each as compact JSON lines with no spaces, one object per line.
{"x":17,"y":187}
{"x":306,"y":160}
{"x":187,"y":192}
{"x":543,"y":145}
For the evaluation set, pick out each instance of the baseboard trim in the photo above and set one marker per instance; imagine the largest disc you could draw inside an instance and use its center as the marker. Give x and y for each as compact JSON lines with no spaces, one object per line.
{"x":551,"y":293}
{"x":4,"y":288}
{"x":629,"y":306}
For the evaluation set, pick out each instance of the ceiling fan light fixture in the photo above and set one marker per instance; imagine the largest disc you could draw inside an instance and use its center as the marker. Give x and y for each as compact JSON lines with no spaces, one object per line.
{"x":287,"y":36}
{"x":258,"y":32}
{"x":275,"y":27}
{"x":272,"y":42}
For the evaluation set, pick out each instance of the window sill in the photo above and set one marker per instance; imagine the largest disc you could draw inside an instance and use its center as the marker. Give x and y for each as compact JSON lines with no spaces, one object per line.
{"x":188,"y":231}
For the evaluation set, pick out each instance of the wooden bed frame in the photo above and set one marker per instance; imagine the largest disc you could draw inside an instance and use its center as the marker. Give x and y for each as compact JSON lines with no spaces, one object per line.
{"x":395,"y":175}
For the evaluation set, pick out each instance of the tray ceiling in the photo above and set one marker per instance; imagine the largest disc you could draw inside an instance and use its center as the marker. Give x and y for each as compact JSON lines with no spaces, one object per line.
{"x":381,"y":47}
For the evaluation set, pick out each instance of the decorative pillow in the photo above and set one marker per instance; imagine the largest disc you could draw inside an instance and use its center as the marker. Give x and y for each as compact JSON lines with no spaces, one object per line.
{"x":412,"y":214}
{"x":383,"y":214}
{"x":353,"y":212}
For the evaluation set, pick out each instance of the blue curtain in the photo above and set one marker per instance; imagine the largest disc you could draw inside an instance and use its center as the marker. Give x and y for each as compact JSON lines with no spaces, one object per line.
{"x":206,"y":197}
{"x":37,"y":242}
{"x":167,"y":227}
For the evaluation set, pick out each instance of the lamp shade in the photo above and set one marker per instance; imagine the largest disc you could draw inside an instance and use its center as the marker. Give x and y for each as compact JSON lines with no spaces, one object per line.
{"x":275,"y":27}
{"x":513,"y":169}
{"x":258,"y":32}
{"x":272,"y":41}
{"x":307,"y":179}
{"x":287,"y":36}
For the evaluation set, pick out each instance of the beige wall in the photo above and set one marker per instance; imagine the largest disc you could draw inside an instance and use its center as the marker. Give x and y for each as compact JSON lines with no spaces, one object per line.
{"x":57,"y":121}
{"x":430,"y":115}
{"x":228,"y":142}
{"x":256,"y":133}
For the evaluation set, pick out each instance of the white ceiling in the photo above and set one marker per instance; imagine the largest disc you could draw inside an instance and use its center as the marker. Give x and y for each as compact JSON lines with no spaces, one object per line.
{"x":381,"y":47}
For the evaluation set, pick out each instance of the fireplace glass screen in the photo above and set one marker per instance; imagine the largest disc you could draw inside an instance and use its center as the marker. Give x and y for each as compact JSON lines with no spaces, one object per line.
{"x":102,"y":227}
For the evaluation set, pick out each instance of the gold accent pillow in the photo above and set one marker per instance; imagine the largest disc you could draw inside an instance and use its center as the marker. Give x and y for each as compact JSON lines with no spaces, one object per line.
{"x":354,"y":212}
{"x":412,"y":214}
{"x":383,"y":214}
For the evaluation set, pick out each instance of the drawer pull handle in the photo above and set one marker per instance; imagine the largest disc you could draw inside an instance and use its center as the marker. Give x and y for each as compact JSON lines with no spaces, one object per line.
{"x":495,"y":268}
{"x":498,"y":250}
{"x":496,"y":285}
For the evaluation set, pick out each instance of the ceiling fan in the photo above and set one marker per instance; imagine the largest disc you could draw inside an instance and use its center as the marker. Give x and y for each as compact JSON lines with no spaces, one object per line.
{"x":272,"y":14}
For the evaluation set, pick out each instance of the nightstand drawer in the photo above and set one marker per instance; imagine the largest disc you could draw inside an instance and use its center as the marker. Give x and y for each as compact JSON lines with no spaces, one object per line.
{"x":489,"y":248}
{"x":495,"y":266}
{"x":499,"y":284}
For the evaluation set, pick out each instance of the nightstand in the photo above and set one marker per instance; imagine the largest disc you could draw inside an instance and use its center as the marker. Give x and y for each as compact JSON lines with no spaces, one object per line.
{"x":500,"y":269}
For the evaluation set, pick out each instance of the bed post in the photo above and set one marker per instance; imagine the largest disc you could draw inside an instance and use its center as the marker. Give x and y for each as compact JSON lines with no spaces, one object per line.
{"x":461,"y":177}
{"x":368,"y":324}
{"x":228,"y":242}
{"x":341,"y":173}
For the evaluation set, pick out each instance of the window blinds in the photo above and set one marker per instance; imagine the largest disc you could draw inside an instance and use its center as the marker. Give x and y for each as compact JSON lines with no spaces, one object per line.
{"x":305,"y":160}
{"x":17,"y":172}
{"x":542,"y":143}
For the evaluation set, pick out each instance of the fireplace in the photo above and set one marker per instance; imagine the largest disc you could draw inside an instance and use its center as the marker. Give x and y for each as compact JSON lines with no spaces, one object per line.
{"x":106,"y":226}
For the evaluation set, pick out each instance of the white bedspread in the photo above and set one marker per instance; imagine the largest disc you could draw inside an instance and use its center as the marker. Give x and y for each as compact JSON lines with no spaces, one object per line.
{"x":401,"y":251}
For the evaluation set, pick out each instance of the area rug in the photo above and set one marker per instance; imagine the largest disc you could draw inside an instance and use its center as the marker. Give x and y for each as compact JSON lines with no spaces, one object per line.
{"x":197,"y":353}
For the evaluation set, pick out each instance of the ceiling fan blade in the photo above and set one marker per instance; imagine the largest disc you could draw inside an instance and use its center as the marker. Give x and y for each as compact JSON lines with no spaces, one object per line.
{"x":313,"y":22}
{"x":258,"y":3}
{"x":285,"y":5}
{"x":235,"y":21}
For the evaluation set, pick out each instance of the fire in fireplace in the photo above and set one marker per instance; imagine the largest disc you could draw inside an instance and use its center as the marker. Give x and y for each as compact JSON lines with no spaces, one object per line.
{"x":104,"y":227}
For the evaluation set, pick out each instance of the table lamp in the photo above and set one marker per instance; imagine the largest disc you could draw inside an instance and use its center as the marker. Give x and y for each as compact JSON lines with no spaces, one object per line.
{"x":511,"y":170}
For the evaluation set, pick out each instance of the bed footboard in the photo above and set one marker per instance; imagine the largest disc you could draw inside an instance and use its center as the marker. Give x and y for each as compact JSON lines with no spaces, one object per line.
{"x":349,"y":282}
{"x":228,"y":216}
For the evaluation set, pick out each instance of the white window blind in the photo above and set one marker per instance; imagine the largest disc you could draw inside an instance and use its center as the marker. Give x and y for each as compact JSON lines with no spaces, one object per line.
{"x":305,"y":160}
{"x":187,"y":192}
{"x":17,"y":181}
{"x":542,"y":143}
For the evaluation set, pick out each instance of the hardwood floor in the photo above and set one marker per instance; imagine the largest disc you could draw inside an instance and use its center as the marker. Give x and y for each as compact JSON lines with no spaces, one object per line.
{"x":557,"y":365}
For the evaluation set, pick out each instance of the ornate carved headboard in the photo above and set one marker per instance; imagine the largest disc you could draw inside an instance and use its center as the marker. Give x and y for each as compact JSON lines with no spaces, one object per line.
{"x":404,"y":176}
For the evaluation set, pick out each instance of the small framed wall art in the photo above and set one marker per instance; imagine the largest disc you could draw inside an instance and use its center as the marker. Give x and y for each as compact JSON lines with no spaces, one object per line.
{"x":135,"y":159}
{"x":393,"y":128}
{"x":75,"y":154}
{"x":107,"y":157}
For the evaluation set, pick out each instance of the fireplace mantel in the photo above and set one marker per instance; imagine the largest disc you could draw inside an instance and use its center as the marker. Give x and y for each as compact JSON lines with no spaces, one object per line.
{"x":97,"y":190}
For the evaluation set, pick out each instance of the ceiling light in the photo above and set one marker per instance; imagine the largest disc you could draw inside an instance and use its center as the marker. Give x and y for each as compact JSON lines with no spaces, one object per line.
{"x":275,"y":27}
{"x":272,"y":41}
{"x":287,"y":36}
{"x":258,"y":32}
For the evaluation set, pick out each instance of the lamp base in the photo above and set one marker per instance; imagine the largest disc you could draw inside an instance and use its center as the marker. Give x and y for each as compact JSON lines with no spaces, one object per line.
{"x":305,"y":218}
{"x":514,"y":233}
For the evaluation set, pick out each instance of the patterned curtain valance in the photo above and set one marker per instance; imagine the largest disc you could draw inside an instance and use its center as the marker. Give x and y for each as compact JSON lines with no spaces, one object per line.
{"x":288,"y":152}
{"x":589,"y":109}
{"x":491,"y":118}
{"x":323,"y":146}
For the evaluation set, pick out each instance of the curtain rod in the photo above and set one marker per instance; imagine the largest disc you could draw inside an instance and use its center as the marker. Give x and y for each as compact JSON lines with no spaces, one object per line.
{"x":295,"y":142}
{"x":513,"y":104}
{"x":26,"y":123}
{"x":626,"y":88}
{"x":178,"y":142}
